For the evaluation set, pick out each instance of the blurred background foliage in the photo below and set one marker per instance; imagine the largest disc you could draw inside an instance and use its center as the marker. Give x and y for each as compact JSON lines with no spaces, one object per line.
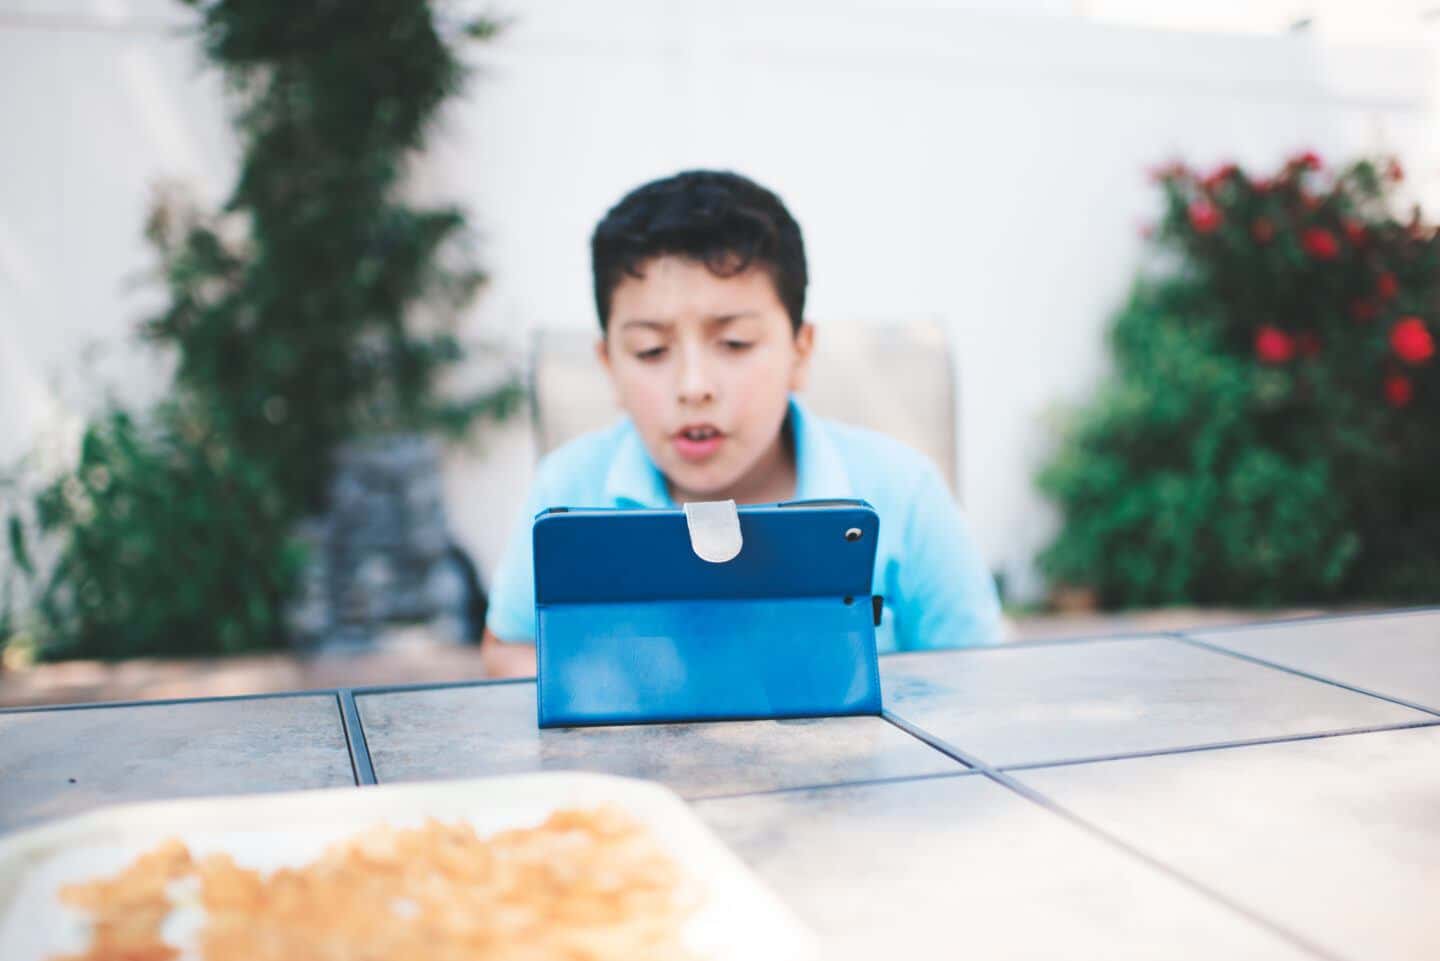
{"x":315,"y":308}
{"x":1271,"y":431}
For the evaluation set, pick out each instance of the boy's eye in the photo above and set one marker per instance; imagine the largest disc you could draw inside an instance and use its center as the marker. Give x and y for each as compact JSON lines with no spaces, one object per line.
{"x":654,"y":353}
{"x":738,"y":345}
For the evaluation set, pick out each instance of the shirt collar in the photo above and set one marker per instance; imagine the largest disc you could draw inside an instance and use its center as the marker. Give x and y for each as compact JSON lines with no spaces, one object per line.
{"x":820,"y":471}
{"x":634,"y":481}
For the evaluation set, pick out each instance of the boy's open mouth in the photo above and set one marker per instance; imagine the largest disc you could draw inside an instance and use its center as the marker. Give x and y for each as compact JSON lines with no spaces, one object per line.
{"x":698,"y":442}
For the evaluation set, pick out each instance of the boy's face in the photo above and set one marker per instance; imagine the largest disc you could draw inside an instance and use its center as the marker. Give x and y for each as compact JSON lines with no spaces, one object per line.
{"x":704,"y":365}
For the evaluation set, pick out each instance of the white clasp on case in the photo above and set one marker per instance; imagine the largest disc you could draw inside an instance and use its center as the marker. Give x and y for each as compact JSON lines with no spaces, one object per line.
{"x":714,"y":530}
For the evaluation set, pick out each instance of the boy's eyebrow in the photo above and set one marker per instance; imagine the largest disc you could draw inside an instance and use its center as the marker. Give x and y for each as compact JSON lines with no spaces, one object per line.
{"x":718,"y":320}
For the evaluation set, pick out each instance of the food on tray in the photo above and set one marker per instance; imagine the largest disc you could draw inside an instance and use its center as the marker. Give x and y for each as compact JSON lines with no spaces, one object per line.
{"x":586,"y":885}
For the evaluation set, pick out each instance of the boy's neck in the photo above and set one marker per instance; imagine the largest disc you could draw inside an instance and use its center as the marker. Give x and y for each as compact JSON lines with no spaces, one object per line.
{"x":773,"y":478}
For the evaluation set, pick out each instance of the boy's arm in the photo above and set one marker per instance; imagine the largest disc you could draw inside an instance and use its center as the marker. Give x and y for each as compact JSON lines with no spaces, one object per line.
{"x":507,"y":648}
{"x":947,"y":595}
{"x":504,"y":659}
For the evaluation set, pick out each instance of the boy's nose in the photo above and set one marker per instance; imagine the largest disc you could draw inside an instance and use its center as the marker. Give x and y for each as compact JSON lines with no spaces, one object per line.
{"x":696,"y":386}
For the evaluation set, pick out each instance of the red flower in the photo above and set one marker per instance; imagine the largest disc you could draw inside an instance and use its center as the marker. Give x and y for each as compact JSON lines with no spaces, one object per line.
{"x":1363,"y":310}
{"x":1264,"y":185}
{"x":1320,"y":243}
{"x":1309,"y":160}
{"x":1307,"y":343}
{"x":1394,"y":171}
{"x":1355,"y":233}
{"x":1398,"y":390}
{"x":1410,"y":340}
{"x":1262,"y":230}
{"x":1218,"y":176}
{"x":1386,"y":285}
{"x":1205,"y":217}
{"x":1309,"y":201}
{"x":1415,"y":229}
{"x":1273,"y":345}
{"x":1169,"y":171}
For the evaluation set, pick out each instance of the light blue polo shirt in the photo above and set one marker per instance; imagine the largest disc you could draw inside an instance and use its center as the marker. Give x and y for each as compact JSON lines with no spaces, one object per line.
{"x":937,"y":590}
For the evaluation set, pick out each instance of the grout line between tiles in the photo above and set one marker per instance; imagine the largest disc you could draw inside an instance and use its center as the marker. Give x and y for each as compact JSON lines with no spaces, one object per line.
{"x":1298,"y":672}
{"x":439,"y":685}
{"x":168,"y":701}
{"x":267,"y":695}
{"x":831,"y":785}
{"x":1035,"y":797}
{"x":1306,"y":619}
{"x":354,"y":729}
{"x":1217,"y":746}
{"x":1136,"y":635}
{"x":925,"y":737}
{"x":1190,"y":635}
{"x":1199,"y":887}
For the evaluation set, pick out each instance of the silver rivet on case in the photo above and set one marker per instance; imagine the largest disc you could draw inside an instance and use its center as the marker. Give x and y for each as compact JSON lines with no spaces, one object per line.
{"x":853,"y":534}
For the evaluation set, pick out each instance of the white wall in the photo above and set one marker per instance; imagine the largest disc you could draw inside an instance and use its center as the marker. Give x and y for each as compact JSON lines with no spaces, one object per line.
{"x":984,"y":167}
{"x":98,"y":101}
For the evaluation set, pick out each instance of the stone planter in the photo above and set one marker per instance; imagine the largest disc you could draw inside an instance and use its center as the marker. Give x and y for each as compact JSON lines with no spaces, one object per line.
{"x":381,"y":554}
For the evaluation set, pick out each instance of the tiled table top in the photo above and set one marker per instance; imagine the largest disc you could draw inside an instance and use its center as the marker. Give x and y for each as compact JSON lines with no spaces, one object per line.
{"x":1335,"y":839}
{"x":61,"y":762}
{"x":1271,"y":799}
{"x":474,"y":731}
{"x":960,"y":867}
{"x":1043,"y":703}
{"x":1395,"y":655}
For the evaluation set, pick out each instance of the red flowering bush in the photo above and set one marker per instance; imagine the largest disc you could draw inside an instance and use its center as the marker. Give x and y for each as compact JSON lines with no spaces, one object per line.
{"x":1272,"y":432}
{"x":1320,"y":256}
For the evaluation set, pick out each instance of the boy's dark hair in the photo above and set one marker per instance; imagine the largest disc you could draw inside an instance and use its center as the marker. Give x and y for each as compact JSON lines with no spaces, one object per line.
{"x":723,"y":220}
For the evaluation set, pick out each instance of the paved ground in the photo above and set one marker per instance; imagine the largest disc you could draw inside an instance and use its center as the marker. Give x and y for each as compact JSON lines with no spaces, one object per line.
{"x":412,"y":656}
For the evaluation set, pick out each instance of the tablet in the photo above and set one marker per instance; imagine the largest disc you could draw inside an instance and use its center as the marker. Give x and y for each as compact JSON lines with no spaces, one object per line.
{"x":710,"y":612}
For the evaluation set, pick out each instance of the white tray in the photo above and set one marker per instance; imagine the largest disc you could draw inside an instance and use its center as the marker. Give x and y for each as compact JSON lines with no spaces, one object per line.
{"x":740,"y":919}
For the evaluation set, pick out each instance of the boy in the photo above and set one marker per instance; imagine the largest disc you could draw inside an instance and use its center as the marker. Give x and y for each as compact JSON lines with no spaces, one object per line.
{"x":700,"y":288}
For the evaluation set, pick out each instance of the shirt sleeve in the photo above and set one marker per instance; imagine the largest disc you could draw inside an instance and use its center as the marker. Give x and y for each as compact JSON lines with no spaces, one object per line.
{"x":946,"y":596}
{"x":511,"y":614}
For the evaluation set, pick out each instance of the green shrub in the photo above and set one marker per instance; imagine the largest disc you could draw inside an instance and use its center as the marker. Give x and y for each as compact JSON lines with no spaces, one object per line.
{"x":174,"y":543}
{"x":303,"y":315}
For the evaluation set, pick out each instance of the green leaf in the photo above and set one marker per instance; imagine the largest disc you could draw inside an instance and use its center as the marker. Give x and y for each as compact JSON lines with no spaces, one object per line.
{"x":17,"y":546}
{"x":484,"y":28}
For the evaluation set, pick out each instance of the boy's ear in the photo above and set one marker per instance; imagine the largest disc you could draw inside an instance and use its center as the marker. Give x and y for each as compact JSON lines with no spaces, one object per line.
{"x":602,"y":352}
{"x":804,"y":348}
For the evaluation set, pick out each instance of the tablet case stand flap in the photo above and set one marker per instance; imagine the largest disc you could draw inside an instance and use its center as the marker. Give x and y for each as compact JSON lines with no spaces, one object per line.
{"x":638,"y":623}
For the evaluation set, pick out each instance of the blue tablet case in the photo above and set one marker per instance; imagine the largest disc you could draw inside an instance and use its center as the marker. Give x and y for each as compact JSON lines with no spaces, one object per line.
{"x":633,"y":625}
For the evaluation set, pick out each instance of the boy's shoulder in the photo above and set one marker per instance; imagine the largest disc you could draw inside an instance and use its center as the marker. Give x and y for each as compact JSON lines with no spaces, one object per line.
{"x":878,"y":462}
{"x":580,"y":464}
